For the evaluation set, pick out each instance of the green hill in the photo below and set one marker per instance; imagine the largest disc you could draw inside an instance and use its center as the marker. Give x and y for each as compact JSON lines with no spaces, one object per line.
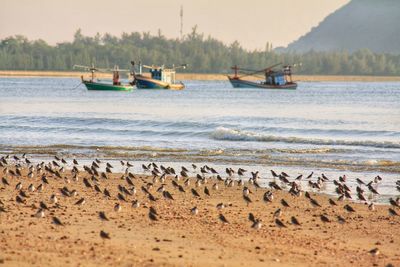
{"x":372,"y":24}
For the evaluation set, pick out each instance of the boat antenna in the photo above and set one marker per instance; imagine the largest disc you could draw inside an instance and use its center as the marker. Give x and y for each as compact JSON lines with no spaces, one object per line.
{"x":181,"y":14}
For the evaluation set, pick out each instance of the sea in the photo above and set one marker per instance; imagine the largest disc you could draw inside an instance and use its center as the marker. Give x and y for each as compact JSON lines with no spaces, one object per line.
{"x":335,"y":128}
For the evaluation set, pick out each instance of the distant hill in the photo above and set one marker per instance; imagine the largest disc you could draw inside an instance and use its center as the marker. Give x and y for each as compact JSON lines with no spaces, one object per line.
{"x":372,"y":24}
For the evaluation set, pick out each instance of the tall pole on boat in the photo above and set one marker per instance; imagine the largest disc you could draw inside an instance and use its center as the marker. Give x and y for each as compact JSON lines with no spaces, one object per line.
{"x":181,"y":14}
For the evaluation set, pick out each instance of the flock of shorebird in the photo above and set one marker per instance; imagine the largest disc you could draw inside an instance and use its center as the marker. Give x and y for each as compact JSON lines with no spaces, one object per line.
{"x":93,"y":176}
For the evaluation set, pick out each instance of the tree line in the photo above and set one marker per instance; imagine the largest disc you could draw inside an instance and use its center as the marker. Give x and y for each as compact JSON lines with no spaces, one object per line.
{"x":202,"y":54}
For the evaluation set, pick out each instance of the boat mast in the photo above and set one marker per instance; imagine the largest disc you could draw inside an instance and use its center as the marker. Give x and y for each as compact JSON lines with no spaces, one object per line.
{"x":235,"y":68}
{"x":181,"y":14}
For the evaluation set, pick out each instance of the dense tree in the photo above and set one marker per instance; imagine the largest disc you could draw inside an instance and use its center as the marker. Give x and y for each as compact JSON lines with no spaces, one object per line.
{"x":203,"y":54}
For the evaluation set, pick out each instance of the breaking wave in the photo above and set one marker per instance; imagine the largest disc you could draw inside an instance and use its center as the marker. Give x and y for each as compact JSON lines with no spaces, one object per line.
{"x":222,"y":133}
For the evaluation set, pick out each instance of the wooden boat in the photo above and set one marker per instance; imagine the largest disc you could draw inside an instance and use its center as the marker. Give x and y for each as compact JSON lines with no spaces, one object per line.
{"x":160,"y":78}
{"x":90,"y":85}
{"x":274,"y":79}
{"x":95,"y":84}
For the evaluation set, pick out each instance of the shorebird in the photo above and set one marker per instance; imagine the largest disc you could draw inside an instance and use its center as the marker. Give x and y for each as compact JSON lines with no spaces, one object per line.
{"x":167,"y":195}
{"x":246,"y":191}
{"x":5,"y":182}
{"x":284,"y":203}
{"x":274,"y":175}
{"x":153,"y":216}
{"x":294,"y":221}
{"x":117,"y":207}
{"x":314,"y":203}
{"x":392,"y":212}
{"x":80,"y":202}
{"x":247,"y":199}
{"x":19,"y":200}
{"x":223,"y":219}
{"x":332,"y":202}
{"x":40,"y":188}
{"x":195,"y":193}
{"x":121,"y":197}
{"x":341,"y":220}
{"x":43,"y":205}
{"x":371,"y":206}
{"x":135,"y":204}
{"x":103,"y":216}
{"x":194,"y":210}
{"x":206,"y":191}
{"x":18,"y":186}
{"x":104,"y":235}
{"x":374,"y":252}
{"x":279,"y":223}
{"x":220,"y":206}
{"x":57,"y":221}
{"x":278,"y":213}
{"x":268,"y":197}
{"x":256,"y":224}
{"x":394,"y":203}
{"x":324,"y":218}
{"x":39,"y":213}
{"x":349,"y":208}
{"x":106,"y":193}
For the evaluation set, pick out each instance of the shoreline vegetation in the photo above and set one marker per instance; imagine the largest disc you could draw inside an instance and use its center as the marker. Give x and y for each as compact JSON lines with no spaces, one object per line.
{"x":143,"y":226}
{"x":203,"y":76}
{"x":203,"y":54}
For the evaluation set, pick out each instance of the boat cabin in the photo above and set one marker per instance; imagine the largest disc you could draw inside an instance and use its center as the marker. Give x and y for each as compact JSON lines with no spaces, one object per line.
{"x":164,"y":75}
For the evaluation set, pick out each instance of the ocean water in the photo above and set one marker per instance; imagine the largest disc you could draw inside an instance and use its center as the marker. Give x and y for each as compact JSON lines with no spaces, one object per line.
{"x":334,"y":127}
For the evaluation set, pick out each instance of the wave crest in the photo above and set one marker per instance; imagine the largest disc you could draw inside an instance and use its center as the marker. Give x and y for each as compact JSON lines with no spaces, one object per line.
{"x":222,"y":133}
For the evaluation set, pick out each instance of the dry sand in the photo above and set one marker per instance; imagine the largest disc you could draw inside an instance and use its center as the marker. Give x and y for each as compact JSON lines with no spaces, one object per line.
{"x":179,"y":238}
{"x":203,"y":76}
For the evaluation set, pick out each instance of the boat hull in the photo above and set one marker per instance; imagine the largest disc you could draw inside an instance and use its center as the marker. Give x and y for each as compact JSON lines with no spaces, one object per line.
{"x":143,"y":82}
{"x":106,"y":87}
{"x":239,"y":83}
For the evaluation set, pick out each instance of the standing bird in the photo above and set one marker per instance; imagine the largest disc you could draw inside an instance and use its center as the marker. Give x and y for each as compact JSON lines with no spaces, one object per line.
{"x":135,"y":204}
{"x":103,"y":216}
{"x":80,"y":202}
{"x":117,"y":207}
{"x":284,"y":203}
{"x":349,"y":208}
{"x":294,"y":221}
{"x":195,"y":193}
{"x":153,"y":216}
{"x":247,"y":199}
{"x":279,"y":223}
{"x":223,"y":219}
{"x":194,"y":210}
{"x":104,"y":235}
{"x":324,"y":218}
{"x":392,"y":212}
{"x":57,"y":221}
{"x":39,"y":213}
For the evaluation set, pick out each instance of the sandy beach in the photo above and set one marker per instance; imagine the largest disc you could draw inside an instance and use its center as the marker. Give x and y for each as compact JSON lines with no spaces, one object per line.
{"x":204,"y":76}
{"x":178,"y":237}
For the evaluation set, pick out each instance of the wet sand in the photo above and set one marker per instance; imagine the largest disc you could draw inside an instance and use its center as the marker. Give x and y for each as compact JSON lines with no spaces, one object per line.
{"x":179,"y":238}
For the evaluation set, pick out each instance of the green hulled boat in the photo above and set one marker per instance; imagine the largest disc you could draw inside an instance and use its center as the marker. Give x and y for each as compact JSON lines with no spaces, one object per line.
{"x":95,"y":84}
{"x":106,"y":86}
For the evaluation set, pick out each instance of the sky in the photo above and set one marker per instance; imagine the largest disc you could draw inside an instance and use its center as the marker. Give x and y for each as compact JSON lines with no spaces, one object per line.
{"x":252,"y":22}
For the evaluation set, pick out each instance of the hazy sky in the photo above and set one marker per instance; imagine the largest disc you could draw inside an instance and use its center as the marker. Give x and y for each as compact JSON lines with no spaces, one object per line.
{"x":251,"y":22}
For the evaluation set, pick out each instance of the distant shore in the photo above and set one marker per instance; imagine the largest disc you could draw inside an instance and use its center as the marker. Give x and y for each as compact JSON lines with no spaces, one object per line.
{"x":203,"y":76}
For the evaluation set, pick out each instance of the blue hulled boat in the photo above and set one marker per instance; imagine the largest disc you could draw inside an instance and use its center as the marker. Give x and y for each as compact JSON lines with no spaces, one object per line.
{"x":274,"y":79}
{"x":160,"y":78}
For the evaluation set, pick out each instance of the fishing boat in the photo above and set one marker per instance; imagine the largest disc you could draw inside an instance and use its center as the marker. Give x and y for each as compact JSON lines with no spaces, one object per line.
{"x":94,"y":84}
{"x":274,"y":79}
{"x":160,"y":77}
